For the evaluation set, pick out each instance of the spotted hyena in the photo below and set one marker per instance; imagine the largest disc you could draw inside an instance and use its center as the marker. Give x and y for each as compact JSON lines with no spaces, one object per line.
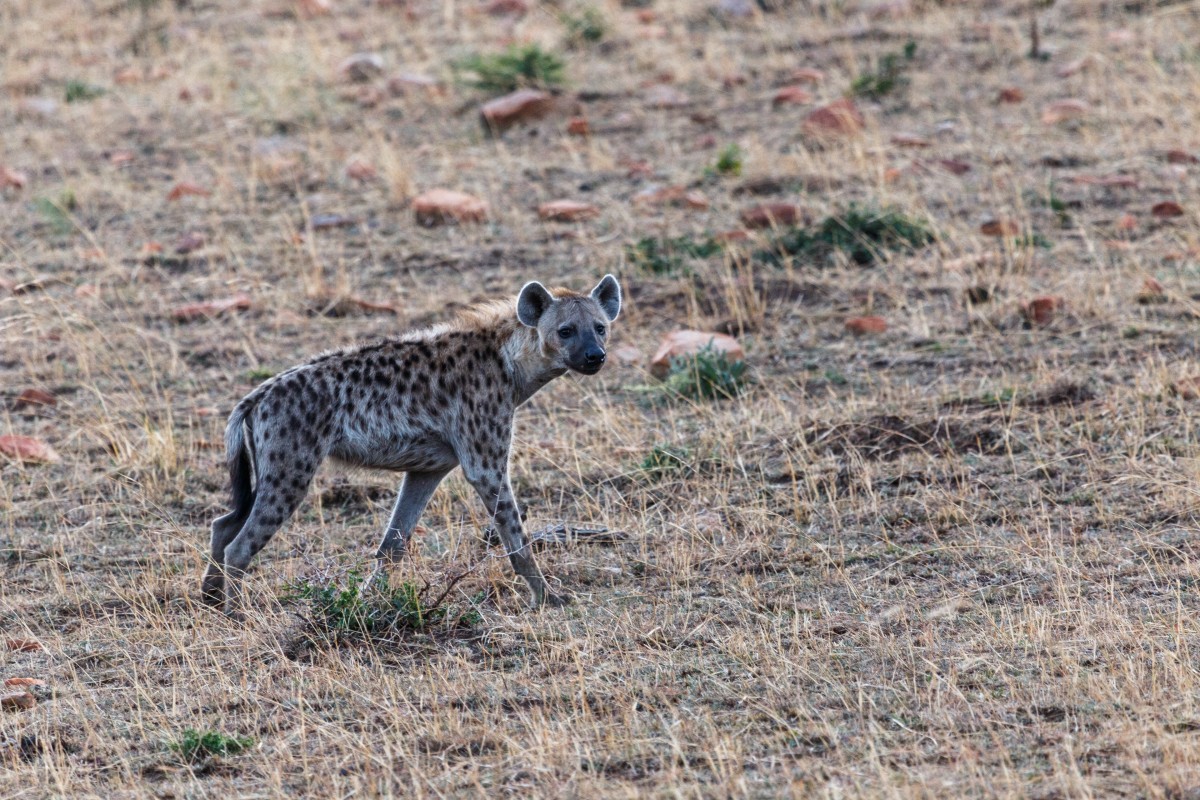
{"x":422,"y":404}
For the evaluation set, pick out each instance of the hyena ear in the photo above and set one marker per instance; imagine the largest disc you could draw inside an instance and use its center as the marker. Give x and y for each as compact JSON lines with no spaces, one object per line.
{"x":532,"y":303}
{"x":608,"y":294}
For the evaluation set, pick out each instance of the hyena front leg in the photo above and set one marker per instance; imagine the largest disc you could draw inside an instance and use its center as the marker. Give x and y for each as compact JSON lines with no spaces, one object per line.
{"x":489,"y":477}
{"x":414,"y":495}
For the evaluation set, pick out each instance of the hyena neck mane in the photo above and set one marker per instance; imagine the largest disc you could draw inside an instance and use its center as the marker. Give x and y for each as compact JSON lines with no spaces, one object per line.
{"x":496,"y":323}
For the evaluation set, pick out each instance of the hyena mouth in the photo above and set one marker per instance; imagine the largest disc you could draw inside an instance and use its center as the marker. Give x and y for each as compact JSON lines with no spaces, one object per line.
{"x":588,"y":369}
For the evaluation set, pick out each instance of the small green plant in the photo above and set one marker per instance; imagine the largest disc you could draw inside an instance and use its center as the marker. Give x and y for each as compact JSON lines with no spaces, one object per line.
{"x":666,"y":256}
{"x":663,"y":461}
{"x":862,"y":234}
{"x":516,"y":67}
{"x":57,"y":211}
{"x":260,"y":373}
{"x":729,"y":162}
{"x":589,"y":26}
{"x":77,"y":91}
{"x":888,"y":76}
{"x":708,"y":375}
{"x":194,"y":746}
{"x":360,"y":608}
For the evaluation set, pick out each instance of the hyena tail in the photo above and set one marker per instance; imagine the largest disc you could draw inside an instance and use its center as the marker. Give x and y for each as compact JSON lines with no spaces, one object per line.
{"x":239,"y":455}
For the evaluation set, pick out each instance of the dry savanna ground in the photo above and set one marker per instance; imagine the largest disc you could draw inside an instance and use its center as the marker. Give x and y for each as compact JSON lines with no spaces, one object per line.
{"x":949,"y":552}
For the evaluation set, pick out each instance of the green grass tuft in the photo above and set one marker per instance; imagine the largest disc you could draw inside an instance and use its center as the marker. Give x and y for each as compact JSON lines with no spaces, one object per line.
{"x":194,"y":746}
{"x":888,"y":77}
{"x":665,"y":256}
{"x":663,"y":461}
{"x":588,"y":26}
{"x":515,"y":68}
{"x":864,"y":235}
{"x":78,"y":91}
{"x":708,"y":375}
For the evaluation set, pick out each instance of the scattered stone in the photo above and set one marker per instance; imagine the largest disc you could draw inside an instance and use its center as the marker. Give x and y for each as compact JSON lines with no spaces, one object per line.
{"x":404,"y":82}
{"x":24,"y":683}
{"x":1011,"y":94}
{"x":1181,"y":157}
{"x":807,"y":75}
{"x":1042,"y":310}
{"x":507,"y":8}
{"x":359,"y":169}
{"x":771,"y":215}
{"x":361,"y":67}
{"x":1063,"y":111}
{"x":440,"y":206}
{"x":1000,"y":227}
{"x":791,"y":96}
{"x":839,"y":118}
{"x":30,"y":451}
{"x":863,"y":326}
{"x":696,"y":200}
{"x":12,"y":178}
{"x":1152,"y":293}
{"x":567,"y":211}
{"x":1187,"y":388}
{"x":735,"y":9}
{"x":730,"y":236}
{"x":24,"y":645}
{"x":326,"y":222}
{"x":954,"y":166}
{"x":211,"y":308}
{"x":910,"y":140}
{"x":1127,"y":222}
{"x":35,"y":397}
{"x":578,"y":126}
{"x":17,"y":700}
{"x":658,"y":195}
{"x":522,"y":105}
{"x":187,"y":188}
{"x":1076,"y":66}
{"x":189,"y":242}
{"x":1167,"y":209}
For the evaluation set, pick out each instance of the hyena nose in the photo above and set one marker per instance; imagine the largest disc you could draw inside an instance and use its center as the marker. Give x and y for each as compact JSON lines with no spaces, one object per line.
{"x":595,"y":357}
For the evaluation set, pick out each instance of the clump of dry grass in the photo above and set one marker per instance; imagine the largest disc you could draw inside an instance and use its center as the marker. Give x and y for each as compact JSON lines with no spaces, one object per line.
{"x":911,"y":564}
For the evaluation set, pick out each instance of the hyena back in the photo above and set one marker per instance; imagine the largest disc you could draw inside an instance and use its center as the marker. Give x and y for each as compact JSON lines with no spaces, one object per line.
{"x":422,"y":404}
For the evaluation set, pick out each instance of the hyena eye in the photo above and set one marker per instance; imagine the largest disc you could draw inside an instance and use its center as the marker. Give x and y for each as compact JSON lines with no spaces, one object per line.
{"x":599,"y":330}
{"x":566,"y":332}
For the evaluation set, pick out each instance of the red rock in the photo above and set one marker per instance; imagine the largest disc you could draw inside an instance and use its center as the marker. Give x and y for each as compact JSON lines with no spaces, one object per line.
{"x":24,"y":645}
{"x":313,"y":8}
{"x":1127,"y":222}
{"x":735,"y":235}
{"x":1075,"y":67}
{"x":1063,"y":110}
{"x":791,"y":96}
{"x":909,"y":140}
{"x":360,"y":169}
{"x":507,"y":8}
{"x":404,"y":82}
{"x":839,"y":118}
{"x":1187,"y":388}
{"x":1166,"y":210}
{"x":686,"y":343}
{"x":211,"y":308}
{"x":24,"y":683}
{"x":662,"y":96}
{"x":1011,"y":94}
{"x":1042,"y":310}
{"x":127,"y":76}
{"x":1175,"y":157}
{"x":656,"y":195}
{"x":522,"y":105}
{"x":646,"y":16}
{"x":807,"y":75}
{"x":578,"y":126}
{"x":696,"y":201}
{"x":121,"y":158}
{"x":1153,"y":286}
{"x":17,"y":700}
{"x":35,"y":397}
{"x":12,"y":178}
{"x":635,"y":168}
{"x":187,"y":188}
{"x":439,"y":206}
{"x":189,"y":242}
{"x":862,"y":326}
{"x":954,"y":166}
{"x":1000,"y":227}
{"x":361,"y":67}
{"x":1120,"y":36}
{"x":567,"y":211}
{"x":28,"y":450}
{"x":770,"y":215}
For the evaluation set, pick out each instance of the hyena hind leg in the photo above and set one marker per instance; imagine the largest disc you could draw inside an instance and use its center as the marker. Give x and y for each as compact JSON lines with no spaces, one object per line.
{"x":224,"y":530}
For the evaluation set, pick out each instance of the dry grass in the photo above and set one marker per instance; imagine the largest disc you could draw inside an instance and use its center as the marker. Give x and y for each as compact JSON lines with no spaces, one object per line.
{"x":954,"y":560}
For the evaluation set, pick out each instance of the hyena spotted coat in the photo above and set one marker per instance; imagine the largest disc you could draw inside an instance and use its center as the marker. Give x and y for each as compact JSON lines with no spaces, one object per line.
{"x":422,"y":404}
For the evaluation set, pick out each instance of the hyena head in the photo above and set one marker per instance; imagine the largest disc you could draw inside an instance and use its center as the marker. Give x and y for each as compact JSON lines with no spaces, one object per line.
{"x":572,"y":328}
